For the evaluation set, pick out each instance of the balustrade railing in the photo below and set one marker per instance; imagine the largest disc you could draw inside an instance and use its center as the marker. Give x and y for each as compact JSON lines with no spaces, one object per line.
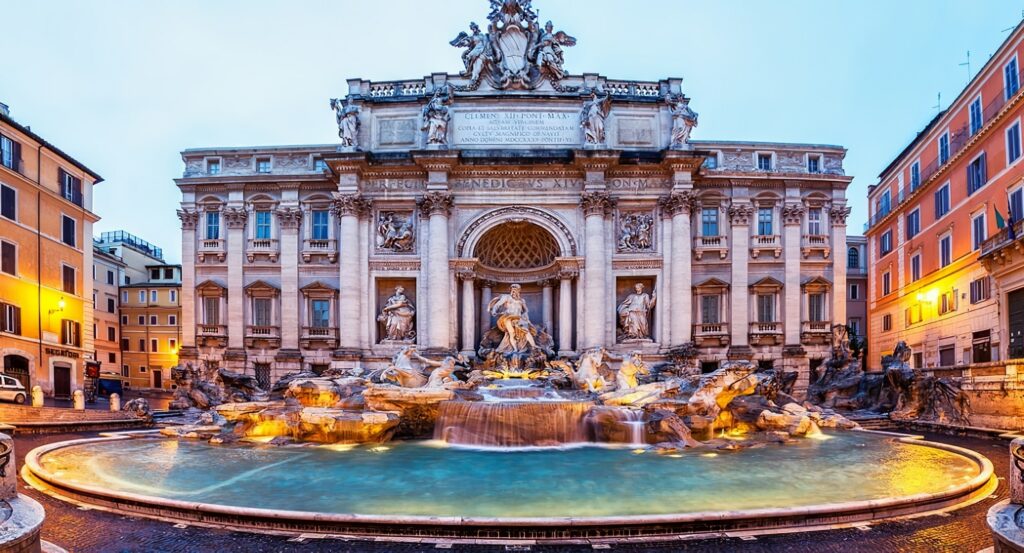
{"x":710,"y":329}
{"x":212,"y":330}
{"x":765,"y":328}
{"x":817,"y":327}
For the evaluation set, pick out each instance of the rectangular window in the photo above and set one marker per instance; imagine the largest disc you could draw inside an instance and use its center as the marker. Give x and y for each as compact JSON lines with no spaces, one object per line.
{"x":70,"y":333}
{"x":172,"y":320}
{"x":1011,"y":78}
{"x":213,"y":166}
{"x":913,"y":314}
{"x":172,"y":344}
{"x":886,"y":283}
{"x":263,"y":165}
{"x":854,"y":292}
{"x":766,"y":308}
{"x":884,"y":204}
{"x":111,"y":358}
{"x":124,"y":319}
{"x":709,"y":221}
{"x":764,"y":162}
{"x":981,"y":290}
{"x":211,"y":311}
{"x":320,"y":222}
{"x":947,"y":302}
{"x":977,"y":174}
{"x":173,"y":295}
{"x":111,"y":305}
{"x":813,"y":164}
{"x":124,"y":296}
{"x":168,"y":273}
{"x":10,"y":318}
{"x":212,"y":225}
{"x":321,"y":314}
{"x":153,"y":320}
{"x":975,"y":113}
{"x":142,"y":344}
{"x":814,"y":221}
{"x":8,"y":203}
{"x":978,"y":231}
{"x":709,"y":310}
{"x":945,"y":251}
{"x":913,"y":223}
{"x":111,"y":334}
{"x":915,"y":267}
{"x":854,"y":326}
{"x":885,"y":242}
{"x":915,"y":175}
{"x":68,"y":277}
{"x":1017,"y":204}
{"x":110,"y":277}
{"x":142,"y":296}
{"x":262,"y":225}
{"x":70,"y":187}
{"x":1013,"y":143}
{"x":886,"y":322}
{"x":261,"y":312}
{"x":10,"y":153}
{"x":319,"y":165}
{"x":942,"y":201}
{"x":711,"y":162}
{"x":154,"y":274}
{"x":816,"y":307}
{"x":68,"y":231}
{"x":8,"y":258}
{"x":142,"y":320}
{"x":764,"y":221}
{"x":944,"y":148}
{"x":153,"y":345}
{"x":124,"y":344}
{"x":125,"y":371}
{"x":152,"y":296}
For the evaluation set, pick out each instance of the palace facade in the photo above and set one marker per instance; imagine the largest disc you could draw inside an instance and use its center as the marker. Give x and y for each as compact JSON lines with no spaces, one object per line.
{"x":445,"y":191}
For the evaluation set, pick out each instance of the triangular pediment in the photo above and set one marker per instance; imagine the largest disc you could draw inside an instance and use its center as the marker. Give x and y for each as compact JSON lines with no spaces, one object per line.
{"x":261,"y":287}
{"x":210,"y":288}
{"x":767,"y":283}
{"x":819,"y":282}
{"x":712,"y":283}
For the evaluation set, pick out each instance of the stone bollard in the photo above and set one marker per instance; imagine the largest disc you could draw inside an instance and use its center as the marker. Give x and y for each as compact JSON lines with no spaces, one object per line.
{"x":8,"y":474}
{"x":79,"y":400}
{"x":37,"y":396}
{"x":115,"y":402}
{"x":1016,"y":471}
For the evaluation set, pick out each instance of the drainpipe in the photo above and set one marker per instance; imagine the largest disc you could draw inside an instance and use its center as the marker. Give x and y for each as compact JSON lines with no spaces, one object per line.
{"x":39,"y":256}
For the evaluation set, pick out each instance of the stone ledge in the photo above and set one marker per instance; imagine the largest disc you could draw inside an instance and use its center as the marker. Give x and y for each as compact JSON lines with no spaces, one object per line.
{"x":20,"y":531}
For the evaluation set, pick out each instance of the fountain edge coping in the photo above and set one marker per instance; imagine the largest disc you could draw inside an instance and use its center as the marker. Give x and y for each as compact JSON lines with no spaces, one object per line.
{"x":968,"y":491}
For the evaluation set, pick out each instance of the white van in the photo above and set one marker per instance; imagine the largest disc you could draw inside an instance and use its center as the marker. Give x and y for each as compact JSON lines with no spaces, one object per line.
{"x":12,"y":390}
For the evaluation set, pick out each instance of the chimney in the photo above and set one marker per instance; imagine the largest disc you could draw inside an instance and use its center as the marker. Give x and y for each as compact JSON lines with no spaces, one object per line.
{"x":4,"y":110}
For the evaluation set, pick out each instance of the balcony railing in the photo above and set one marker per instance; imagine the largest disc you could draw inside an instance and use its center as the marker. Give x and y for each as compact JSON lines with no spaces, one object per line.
{"x":312,"y":247}
{"x":261,"y":246}
{"x":766,"y":243}
{"x":261,"y":331}
{"x":817,"y":327}
{"x":703,"y":330}
{"x":211,"y":247}
{"x":765,"y":329}
{"x":312,"y":334}
{"x":719,"y":244}
{"x":211,"y":330}
{"x":1002,"y":239}
{"x":816,"y":242}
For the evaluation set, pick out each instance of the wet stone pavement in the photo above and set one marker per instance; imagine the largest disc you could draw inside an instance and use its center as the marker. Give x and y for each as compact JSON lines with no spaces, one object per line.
{"x":79,"y":530}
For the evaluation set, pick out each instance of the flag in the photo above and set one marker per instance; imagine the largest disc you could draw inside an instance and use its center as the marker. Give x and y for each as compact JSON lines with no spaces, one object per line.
{"x":1000,"y":222}
{"x":1011,"y":232}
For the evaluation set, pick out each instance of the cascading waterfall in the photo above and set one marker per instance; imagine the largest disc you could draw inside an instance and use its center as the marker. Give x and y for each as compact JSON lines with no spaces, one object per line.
{"x":619,"y":425}
{"x":512,"y":423}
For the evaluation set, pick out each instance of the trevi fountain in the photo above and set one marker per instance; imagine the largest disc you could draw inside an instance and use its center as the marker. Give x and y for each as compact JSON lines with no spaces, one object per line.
{"x":618,"y":416}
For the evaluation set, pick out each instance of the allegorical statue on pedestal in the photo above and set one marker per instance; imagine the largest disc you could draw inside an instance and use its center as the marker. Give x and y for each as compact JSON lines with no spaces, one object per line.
{"x":514,"y":347}
{"x":348,"y":122}
{"x":397,"y":316}
{"x":435,"y":119}
{"x":514,"y":320}
{"x":684,"y":120}
{"x":548,"y":53}
{"x":635,"y":315}
{"x":592,"y":118}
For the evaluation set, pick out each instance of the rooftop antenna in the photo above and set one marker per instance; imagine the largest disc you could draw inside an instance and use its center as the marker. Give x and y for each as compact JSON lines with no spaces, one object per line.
{"x":1014,"y":27}
{"x":968,"y":64}
{"x":938,"y":103}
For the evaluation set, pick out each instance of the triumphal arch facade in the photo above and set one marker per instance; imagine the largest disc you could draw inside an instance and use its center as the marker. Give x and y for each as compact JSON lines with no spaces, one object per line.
{"x":583,"y":193}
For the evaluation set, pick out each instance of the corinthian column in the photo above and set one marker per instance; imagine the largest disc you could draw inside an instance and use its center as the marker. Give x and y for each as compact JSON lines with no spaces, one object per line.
{"x":838,"y":215}
{"x":565,"y":317}
{"x":436,"y":206}
{"x":679,"y":206}
{"x":468,"y":313}
{"x":596,"y":206}
{"x":349,"y":208}
{"x":189,"y":219}
{"x":740,"y":214}
{"x":235,"y":219}
{"x":289,"y":220}
{"x":792,"y":220}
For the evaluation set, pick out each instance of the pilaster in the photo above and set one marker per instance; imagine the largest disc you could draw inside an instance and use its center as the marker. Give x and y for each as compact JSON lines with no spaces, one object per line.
{"x":436,"y":207}
{"x":235,"y":219}
{"x":596,"y":207}
{"x":792,"y":221}
{"x":349,"y":208}
{"x":838,"y":215}
{"x":289,"y":220}
{"x":740,"y":214}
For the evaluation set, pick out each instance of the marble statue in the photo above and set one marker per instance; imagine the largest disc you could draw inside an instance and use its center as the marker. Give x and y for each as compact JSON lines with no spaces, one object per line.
{"x":397,"y":315}
{"x":348,"y":122}
{"x":478,"y":49}
{"x":513,"y":320}
{"x":548,"y":53}
{"x":395,"y":232}
{"x":443,"y":373}
{"x":592,"y":118}
{"x":587,"y":374}
{"x":435,"y":119}
{"x":684,"y":120}
{"x":632,"y":366}
{"x":634,"y":314}
{"x":636,"y":233}
{"x":402,"y":372}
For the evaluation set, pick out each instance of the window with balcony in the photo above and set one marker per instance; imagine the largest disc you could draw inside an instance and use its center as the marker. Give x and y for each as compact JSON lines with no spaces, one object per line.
{"x":915,"y":175}
{"x":764,"y":162}
{"x":262,"y":229}
{"x":853,"y":258}
{"x":68,"y":277}
{"x":915,"y":267}
{"x":765,"y":218}
{"x":710,"y":311}
{"x":886,"y":283}
{"x":981,"y":290}
{"x":975,"y":116}
{"x":10,"y":153}
{"x":1013,"y":143}
{"x":69,"y":234}
{"x":70,"y":333}
{"x":977,"y":174}
{"x":262,"y":312}
{"x":942,"y":201}
{"x":944,"y":148}
{"x":10,"y":318}
{"x":766,"y":308}
{"x":945,"y":251}
{"x":884,"y":204}
{"x":709,"y":221}
{"x":913,"y":223}
{"x":1017,"y":204}
{"x":1011,"y":78}
{"x":8,"y":203}
{"x":320,"y":313}
{"x":212,"y":225}
{"x":979,"y":232}
{"x":814,"y":221}
{"x":816,"y":307}
{"x":263,"y":165}
{"x":211,"y":310}
{"x":320,"y":224}
{"x":8,"y":258}
{"x":885,"y":243}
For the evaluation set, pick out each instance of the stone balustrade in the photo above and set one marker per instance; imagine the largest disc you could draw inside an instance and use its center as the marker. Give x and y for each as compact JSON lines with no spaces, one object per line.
{"x":711,"y":244}
{"x":816,"y":243}
{"x":766,"y":243}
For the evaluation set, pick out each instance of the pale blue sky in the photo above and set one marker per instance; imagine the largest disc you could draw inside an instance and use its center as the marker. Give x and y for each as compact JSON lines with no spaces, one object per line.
{"x":124,"y":86}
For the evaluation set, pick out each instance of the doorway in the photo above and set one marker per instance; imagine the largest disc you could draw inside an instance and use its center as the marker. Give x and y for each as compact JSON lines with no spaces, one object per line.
{"x":61,"y":381}
{"x":16,"y":366}
{"x":1015,"y":315}
{"x":158,"y":378}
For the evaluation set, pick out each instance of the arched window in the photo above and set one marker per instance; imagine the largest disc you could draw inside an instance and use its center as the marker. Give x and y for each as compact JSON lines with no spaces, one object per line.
{"x":853,"y":258}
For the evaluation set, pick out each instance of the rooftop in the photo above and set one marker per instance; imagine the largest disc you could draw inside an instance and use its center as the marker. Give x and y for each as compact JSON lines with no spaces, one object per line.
{"x":132,"y":241}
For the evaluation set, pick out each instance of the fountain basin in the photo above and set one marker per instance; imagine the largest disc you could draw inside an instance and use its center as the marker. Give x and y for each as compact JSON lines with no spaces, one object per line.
{"x":432,"y":491}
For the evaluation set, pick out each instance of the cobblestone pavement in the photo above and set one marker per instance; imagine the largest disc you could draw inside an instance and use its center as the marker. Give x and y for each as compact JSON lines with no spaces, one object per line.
{"x":94,"y":531}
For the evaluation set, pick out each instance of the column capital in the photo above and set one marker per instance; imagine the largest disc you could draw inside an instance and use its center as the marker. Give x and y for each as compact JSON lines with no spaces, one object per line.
{"x":839,"y":214}
{"x":435,"y":203}
{"x":189,"y":219}
{"x":289,"y":217}
{"x":350,"y":205}
{"x":793,"y":214}
{"x":596,"y":203}
{"x":235,"y":217}
{"x":679,"y":202}
{"x":740,"y":213}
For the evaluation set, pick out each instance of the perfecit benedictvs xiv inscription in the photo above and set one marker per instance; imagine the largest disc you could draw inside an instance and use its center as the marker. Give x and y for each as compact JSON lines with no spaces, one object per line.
{"x":516,"y":128}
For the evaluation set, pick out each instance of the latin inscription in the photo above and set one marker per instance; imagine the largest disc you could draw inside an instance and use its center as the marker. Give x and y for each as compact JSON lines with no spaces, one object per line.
{"x":516,"y":128}
{"x":397,"y":132}
{"x":518,"y":184}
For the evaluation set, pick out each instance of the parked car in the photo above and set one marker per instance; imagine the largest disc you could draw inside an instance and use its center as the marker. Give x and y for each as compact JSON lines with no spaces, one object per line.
{"x":12,"y":390}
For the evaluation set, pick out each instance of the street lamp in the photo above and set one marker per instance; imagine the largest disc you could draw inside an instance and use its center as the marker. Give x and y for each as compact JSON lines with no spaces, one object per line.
{"x":60,"y":307}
